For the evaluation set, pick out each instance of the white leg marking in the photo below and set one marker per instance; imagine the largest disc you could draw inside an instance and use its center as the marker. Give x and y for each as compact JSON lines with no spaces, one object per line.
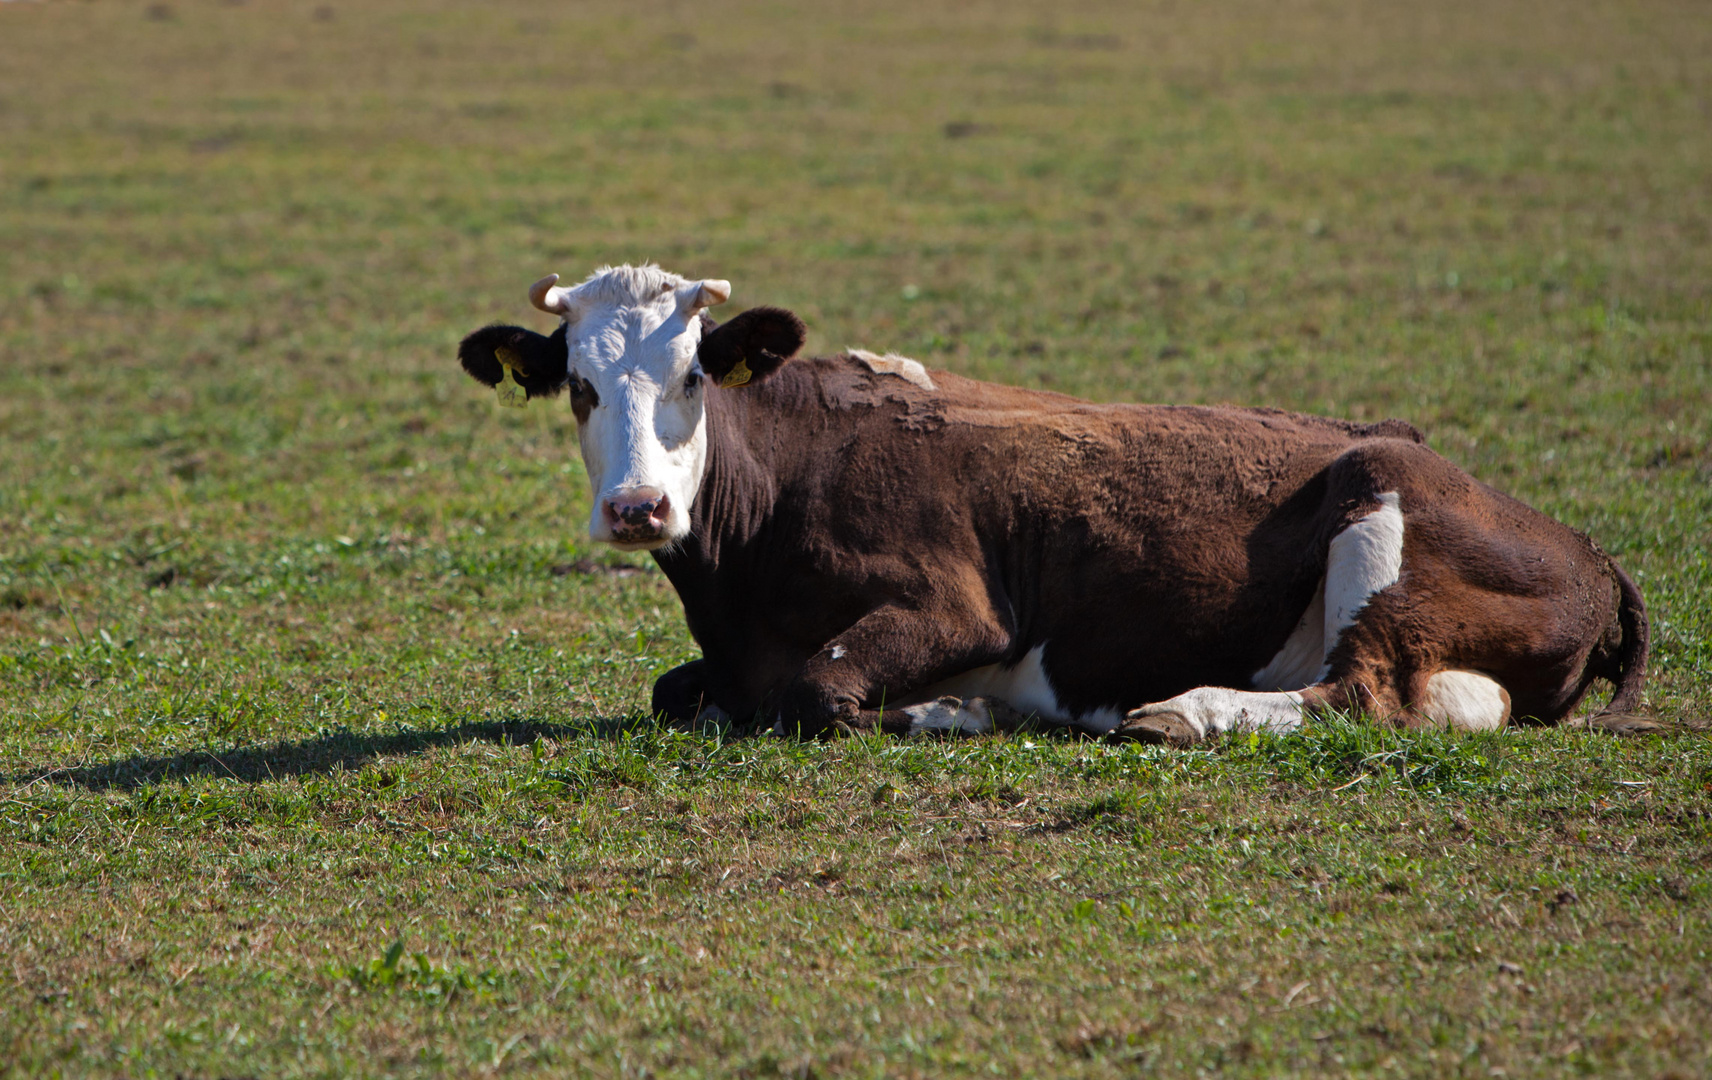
{"x":1214,"y":710}
{"x":1303,"y":656}
{"x":949,"y":714}
{"x":1026,"y":689}
{"x":1364,"y":558}
{"x":1465,"y":701}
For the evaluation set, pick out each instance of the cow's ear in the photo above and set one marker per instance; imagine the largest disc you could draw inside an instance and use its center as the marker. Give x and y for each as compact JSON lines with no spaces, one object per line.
{"x":751,"y":346}
{"x":537,"y":361}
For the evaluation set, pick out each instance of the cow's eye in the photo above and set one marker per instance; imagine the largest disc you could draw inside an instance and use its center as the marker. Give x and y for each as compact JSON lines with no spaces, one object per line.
{"x":583,"y":391}
{"x":691,"y":381}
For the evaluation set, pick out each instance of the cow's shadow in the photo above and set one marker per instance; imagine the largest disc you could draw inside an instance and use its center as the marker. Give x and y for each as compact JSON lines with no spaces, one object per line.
{"x":330,"y":752}
{"x":346,"y":750}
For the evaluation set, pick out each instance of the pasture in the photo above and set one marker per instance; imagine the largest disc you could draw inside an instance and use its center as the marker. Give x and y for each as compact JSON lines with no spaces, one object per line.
{"x":324,"y":746}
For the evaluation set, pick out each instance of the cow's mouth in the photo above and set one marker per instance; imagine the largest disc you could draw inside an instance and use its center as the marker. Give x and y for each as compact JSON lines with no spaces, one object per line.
{"x":638,"y":540}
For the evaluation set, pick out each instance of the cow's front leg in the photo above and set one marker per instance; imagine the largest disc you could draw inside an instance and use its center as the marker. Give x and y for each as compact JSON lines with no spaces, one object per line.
{"x":948,"y":715}
{"x":681,"y":695}
{"x":887,"y":656}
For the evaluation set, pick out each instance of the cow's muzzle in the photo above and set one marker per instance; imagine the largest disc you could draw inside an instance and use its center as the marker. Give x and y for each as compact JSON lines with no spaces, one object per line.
{"x":637,"y":516}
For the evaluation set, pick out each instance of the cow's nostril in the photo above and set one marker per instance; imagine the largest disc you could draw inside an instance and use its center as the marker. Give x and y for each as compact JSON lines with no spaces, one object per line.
{"x":640,"y":511}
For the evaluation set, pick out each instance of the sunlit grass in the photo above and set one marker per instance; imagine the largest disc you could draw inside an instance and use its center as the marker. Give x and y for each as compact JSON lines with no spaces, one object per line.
{"x":325,"y":748}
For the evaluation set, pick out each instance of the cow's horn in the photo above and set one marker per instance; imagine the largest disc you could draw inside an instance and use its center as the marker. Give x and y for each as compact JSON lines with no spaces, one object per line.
{"x":545,"y":295}
{"x":708,"y":293}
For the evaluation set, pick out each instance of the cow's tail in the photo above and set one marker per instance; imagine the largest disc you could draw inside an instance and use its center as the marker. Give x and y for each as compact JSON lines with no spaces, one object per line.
{"x":1629,"y":670}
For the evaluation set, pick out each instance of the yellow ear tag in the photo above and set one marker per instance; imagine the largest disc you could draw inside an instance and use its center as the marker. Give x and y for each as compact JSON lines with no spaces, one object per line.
{"x":511,"y":394}
{"x":737,"y":376}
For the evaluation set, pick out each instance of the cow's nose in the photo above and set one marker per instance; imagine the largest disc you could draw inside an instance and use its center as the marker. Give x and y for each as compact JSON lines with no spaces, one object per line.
{"x":637,"y":514}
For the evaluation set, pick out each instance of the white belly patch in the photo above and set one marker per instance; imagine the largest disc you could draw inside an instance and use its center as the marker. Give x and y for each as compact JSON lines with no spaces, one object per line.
{"x":1026,"y":689}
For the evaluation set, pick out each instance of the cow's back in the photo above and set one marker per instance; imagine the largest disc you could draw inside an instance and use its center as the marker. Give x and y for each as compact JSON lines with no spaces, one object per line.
{"x":875,"y":446}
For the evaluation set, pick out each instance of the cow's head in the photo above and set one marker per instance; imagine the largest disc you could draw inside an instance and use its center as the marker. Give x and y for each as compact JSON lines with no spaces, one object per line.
{"x":639,"y":355}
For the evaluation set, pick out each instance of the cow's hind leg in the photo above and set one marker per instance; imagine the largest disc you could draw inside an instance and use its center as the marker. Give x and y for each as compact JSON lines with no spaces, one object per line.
{"x":1208,"y":711}
{"x":1365,"y":557}
{"x":1374,"y":671}
{"x":1461,"y":700}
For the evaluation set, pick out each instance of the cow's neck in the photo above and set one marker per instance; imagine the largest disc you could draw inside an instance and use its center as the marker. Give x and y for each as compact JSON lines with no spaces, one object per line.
{"x":737,"y":491}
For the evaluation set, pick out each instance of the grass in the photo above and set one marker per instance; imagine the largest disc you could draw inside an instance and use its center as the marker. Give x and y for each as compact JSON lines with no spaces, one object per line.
{"x":323,"y":746}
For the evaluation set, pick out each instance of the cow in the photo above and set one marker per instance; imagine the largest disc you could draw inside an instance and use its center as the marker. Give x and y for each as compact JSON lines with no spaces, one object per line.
{"x":862,"y":544}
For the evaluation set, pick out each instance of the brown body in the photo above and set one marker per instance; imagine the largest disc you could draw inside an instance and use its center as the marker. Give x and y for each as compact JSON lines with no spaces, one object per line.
{"x":1150,"y":549}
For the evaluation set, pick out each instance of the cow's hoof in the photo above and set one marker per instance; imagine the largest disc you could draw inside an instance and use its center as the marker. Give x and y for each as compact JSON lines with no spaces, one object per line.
{"x":713,"y":716}
{"x":949,"y":716}
{"x":1169,"y":728}
{"x":1624,"y":724}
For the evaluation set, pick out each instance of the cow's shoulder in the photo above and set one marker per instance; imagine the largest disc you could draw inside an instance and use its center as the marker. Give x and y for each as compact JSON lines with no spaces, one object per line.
{"x":861,"y":377}
{"x":902,"y":367}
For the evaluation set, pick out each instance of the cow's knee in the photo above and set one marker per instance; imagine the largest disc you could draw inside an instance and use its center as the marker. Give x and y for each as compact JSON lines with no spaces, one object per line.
{"x":812,"y":710}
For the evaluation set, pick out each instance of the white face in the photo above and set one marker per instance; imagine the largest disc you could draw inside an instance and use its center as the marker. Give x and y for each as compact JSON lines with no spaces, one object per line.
{"x":638,"y":393}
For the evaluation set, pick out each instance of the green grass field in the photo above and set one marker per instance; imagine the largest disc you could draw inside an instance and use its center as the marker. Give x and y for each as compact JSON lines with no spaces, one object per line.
{"x":323,"y":735}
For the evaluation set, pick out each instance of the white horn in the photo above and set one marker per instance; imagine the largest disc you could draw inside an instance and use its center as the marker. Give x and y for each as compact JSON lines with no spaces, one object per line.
{"x":545,"y":295}
{"x":709,"y":293}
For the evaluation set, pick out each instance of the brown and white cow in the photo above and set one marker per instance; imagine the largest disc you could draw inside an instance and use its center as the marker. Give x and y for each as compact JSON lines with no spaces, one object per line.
{"x":859,"y":542}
